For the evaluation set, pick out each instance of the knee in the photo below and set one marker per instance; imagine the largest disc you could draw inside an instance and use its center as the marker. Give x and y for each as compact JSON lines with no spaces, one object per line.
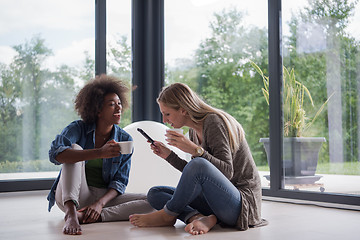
{"x":77,"y":164}
{"x":76,"y":146}
{"x":197,"y":164}
{"x":155,"y":198}
{"x":152,"y":194}
{"x":73,"y":168}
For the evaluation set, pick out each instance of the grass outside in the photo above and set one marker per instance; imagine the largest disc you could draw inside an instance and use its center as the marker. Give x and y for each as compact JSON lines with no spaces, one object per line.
{"x":28,"y":166}
{"x":346,"y":168}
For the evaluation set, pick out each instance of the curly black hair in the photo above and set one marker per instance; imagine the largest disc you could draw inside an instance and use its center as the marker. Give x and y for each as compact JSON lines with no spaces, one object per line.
{"x":89,"y":101}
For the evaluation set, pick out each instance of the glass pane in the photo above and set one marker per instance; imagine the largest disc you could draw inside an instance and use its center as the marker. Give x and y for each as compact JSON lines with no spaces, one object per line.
{"x":46,"y":53}
{"x":321,"y":60}
{"x":119,"y":45}
{"x":209,"y":46}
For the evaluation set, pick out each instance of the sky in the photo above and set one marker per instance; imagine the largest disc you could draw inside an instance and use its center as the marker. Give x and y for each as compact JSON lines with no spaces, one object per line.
{"x":68,"y":26}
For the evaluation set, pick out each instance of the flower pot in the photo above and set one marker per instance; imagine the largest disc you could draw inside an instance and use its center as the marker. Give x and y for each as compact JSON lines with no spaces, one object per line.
{"x":300,"y":155}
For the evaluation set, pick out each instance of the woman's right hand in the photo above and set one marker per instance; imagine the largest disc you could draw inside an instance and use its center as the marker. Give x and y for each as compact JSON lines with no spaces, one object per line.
{"x":160,"y":149}
{"x":110,"y":149}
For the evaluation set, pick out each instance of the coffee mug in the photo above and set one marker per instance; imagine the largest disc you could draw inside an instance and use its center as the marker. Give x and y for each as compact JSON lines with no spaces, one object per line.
{"x":126,"y":147}
{"x":178,"y":130}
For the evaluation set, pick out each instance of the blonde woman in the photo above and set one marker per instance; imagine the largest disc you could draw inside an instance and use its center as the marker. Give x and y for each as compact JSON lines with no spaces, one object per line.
{"x":220,"y":184}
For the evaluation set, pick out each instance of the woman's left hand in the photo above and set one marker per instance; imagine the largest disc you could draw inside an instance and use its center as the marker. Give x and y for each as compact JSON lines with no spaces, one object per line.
{"x":91,"y":212}
{"x":180,"y":141}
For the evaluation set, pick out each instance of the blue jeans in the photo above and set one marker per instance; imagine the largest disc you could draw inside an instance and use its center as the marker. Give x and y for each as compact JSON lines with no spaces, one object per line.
{"x":202,"y":189}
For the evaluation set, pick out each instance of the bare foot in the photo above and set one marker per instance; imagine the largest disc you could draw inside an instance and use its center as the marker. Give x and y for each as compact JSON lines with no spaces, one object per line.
{"x":72,"y":226}
{"x":154,"y":219}
{"x":199,"y":215}
{"x":201,"y":225}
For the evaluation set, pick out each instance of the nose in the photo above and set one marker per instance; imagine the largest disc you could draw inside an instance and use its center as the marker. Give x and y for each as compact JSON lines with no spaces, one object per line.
{"x":119,"y":106}
{"x":164,"y":119}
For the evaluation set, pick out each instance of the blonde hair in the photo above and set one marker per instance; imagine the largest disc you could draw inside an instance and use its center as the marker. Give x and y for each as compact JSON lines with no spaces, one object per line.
{"x":179,"y":95}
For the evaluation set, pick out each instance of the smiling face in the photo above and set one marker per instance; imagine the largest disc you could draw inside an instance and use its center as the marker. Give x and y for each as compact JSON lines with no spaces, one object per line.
{"x":176,"y":118}
{"x":111,"y":110}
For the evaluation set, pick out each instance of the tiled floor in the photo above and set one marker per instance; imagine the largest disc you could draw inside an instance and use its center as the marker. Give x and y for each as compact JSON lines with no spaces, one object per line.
{"x":24,"y":216}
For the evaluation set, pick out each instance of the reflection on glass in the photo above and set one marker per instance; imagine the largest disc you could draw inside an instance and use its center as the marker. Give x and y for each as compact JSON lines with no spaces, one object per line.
{"x":209,"y":46}
{"x":321,"y":47}
{"x":119,"y":46}
{"x":46,"y":53}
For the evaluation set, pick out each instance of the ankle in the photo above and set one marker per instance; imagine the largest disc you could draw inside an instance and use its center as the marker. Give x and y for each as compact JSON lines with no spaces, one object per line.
{"x":167,"y":217}
{"x":213,"y":218}
{"x":196,"y":216}
{"x":70,"y":208}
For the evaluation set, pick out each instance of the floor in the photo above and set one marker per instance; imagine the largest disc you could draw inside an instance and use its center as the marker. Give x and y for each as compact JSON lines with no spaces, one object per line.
{"x":24,"y":216}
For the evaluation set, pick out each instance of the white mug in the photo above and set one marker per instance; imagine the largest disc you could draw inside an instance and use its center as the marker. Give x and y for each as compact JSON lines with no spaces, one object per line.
{"x":126,"y":147}
{"x":178,"y":130}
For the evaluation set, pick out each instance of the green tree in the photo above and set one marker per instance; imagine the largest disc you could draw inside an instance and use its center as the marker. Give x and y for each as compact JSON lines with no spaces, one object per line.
{"x":119,"y":64}
{"x":220,"y":73}
{"x":119,"y":55}
{"x":324,"y":56}
{"x":10,"y":132}
{"x":36,"y":103}
{"x":57,"y":107}
{"x":87,"y":71}
{"x":225,"y":79}
{"x":29,"y":72}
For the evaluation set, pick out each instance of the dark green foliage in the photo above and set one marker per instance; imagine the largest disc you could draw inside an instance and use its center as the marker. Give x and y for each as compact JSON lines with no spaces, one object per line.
{"x":221,"y":75}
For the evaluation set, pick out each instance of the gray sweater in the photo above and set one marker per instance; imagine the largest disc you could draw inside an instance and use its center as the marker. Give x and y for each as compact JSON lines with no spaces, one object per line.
{"x":239,"y":167}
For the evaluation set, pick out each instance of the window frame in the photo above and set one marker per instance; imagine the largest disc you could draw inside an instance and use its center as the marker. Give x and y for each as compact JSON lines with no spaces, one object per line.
{"x":139,"y":25}
{"x":276,"y":121}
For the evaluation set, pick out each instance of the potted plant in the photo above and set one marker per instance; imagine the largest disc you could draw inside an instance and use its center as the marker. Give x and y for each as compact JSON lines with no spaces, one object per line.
{"x":300,"y":154}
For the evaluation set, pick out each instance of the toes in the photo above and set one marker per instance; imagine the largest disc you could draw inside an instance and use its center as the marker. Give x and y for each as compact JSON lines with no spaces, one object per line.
{"x":72,"y":231}
{"x":189,"y":227}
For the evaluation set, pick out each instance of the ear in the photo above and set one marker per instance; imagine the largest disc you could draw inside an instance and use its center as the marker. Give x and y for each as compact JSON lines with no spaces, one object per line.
{"x":183,"y":111}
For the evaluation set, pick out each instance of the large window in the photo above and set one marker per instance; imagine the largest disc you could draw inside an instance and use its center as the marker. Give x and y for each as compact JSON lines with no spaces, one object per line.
{"x":46,"y":54}
{"x":118,"y":45}
{"x":220,"y":49}
{"x":209,"y":46}
{"x":321,"y":98}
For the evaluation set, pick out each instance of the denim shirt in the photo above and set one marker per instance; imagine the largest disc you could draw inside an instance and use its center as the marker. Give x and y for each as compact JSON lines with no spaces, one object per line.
{"x":115,"y":170}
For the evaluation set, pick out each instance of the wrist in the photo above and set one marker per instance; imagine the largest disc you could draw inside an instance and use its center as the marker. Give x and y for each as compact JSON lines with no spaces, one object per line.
{"x":166,"y":158}
{"x":100,"y":203}
{"x":199,"y":151}
{"x":98,"y":152}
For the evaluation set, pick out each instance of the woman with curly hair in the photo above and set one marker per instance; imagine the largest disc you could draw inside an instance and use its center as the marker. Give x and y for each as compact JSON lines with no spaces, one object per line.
{"x":91,"y":184}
